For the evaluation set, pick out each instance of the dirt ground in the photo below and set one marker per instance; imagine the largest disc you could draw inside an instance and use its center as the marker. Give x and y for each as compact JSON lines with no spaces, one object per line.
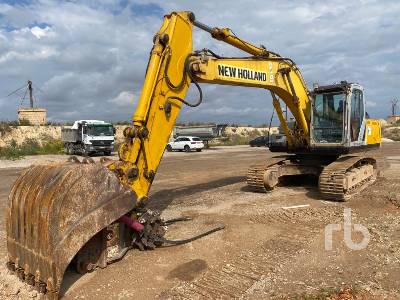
{"x":273,"y":246}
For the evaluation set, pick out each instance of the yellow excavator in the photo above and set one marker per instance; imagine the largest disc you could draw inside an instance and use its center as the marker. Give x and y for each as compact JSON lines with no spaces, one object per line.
{"x":89,"y":214}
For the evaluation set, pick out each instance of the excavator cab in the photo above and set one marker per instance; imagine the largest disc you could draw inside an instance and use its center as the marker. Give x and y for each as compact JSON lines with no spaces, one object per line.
{"x":338,"y":120}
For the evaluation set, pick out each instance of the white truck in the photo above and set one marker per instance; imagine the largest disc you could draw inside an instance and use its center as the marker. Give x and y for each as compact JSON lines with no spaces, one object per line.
{"x":88,"y":137}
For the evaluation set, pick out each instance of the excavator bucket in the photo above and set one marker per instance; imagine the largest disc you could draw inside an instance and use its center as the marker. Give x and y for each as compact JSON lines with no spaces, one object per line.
{"x":58,"y":211}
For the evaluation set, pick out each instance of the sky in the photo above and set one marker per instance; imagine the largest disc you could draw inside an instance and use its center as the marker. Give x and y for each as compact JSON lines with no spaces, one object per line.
{"x":87,"y":58}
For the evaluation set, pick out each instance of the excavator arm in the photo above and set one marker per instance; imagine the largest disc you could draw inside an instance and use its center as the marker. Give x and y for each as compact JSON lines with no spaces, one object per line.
{"x":88,"y":213}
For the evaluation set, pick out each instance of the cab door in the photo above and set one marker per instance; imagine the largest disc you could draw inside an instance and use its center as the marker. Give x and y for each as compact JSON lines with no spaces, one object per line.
{"x":357,"y":116}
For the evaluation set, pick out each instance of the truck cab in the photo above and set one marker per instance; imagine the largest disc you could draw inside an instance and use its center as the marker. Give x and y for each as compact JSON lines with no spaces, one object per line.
{"x":89,"y":137}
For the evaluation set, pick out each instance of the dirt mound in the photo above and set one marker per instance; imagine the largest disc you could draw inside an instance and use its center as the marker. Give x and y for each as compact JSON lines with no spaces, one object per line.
{"x":392,"y":133}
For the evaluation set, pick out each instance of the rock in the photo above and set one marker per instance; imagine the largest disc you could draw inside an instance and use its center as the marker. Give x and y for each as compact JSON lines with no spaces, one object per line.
{"x":32,"y":294}
{"x":12,"y":291}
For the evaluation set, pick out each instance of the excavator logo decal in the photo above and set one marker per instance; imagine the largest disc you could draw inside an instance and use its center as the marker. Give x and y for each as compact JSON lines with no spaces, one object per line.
{"x":241,"y":73}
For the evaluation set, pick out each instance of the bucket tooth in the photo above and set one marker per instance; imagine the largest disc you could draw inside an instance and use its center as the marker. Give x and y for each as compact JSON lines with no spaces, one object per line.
{"x":54,"y":210}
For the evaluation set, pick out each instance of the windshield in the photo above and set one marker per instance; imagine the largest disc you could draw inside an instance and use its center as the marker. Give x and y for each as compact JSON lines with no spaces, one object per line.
{"x":96,"y":130}
{"x":328,"y":117}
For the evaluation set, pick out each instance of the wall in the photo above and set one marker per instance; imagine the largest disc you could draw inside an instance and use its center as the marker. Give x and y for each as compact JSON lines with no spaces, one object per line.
{"x":35,"y":116}
{"x":39,"y":133}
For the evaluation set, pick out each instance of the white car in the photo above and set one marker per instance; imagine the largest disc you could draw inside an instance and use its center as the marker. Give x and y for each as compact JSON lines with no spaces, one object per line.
{"x":186,"y":143}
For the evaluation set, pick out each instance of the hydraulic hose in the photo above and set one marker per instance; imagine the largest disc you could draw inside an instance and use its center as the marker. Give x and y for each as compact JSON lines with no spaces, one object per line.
{"x":184,"y":241}
{"x":183,"y":81}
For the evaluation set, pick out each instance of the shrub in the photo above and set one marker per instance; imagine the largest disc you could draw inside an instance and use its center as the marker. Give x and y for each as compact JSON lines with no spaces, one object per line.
{"x":55,"y":123}
{"x":11,"y":151}
{"x":51,"y":147}
{"x":30,"y":147}
{"x":4,"y":128}
{"x":11,"y":123}
{"x":24,"y":122}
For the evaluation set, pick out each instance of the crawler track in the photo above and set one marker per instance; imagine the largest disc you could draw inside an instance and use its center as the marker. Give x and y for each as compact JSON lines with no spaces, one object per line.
{"x":332,"y":181}
{"x":338,"y":181}
{"x":255,"y":173}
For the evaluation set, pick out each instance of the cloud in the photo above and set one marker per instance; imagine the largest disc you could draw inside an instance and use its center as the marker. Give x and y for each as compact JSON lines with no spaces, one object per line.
{"x":89,"y":57}
{"x":370,"y":103}
{"x":123,"y":99}
{"x":40,"y":32}
{"x":147,"y":9}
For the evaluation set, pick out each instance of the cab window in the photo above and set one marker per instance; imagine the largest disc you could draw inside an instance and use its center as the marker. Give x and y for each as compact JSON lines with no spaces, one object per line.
{"x":328,"y":113}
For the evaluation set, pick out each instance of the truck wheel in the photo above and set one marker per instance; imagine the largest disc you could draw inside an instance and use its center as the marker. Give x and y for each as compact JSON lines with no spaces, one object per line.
{"x":84,"y":151}
{"x":70,"y":149}
{"x":186,"y":148}
{"x":107,"y":153}
{"x":169,"y":148}
{"x":198,"y":150}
